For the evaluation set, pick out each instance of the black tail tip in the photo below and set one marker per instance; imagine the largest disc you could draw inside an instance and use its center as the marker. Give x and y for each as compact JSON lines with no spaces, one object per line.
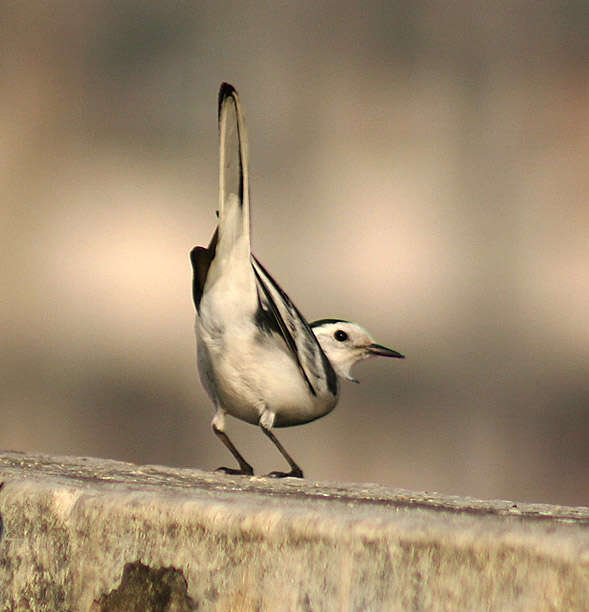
{"x":226,"y":91}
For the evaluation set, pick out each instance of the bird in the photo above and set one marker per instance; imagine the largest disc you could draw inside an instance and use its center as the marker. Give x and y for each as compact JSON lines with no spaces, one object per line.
{"x":259,"y":360}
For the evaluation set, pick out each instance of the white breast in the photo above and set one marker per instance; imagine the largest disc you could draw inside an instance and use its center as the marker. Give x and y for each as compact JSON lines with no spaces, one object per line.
{"x":247,"y":371}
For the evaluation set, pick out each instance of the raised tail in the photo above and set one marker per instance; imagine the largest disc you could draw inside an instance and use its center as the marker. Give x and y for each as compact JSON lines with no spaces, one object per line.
{"x":234,"y":214}
{"x":223,"y":271}
{"x":227,"y":258}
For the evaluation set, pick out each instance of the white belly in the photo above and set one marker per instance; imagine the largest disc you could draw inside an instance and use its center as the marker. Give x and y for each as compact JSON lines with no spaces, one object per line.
{"x":246,"y":371}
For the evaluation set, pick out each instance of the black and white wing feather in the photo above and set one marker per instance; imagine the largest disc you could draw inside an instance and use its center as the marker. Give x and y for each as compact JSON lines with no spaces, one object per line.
{"x":296,"y":332}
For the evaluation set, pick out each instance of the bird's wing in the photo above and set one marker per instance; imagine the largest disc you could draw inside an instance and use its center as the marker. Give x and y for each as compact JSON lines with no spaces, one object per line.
{"x":201,"y":259}
{"x":283,"y":316}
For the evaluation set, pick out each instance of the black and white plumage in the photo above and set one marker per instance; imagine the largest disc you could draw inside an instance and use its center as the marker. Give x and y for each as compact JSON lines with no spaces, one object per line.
{"x":258,"y":358}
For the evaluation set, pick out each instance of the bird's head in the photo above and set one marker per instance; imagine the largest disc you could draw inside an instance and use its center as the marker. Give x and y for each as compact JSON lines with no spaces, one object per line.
{"x":344,"y":343}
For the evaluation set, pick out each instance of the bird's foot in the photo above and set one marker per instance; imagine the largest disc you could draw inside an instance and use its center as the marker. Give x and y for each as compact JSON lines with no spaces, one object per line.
{"x":292,"y":474}
{"x":249,"y":471}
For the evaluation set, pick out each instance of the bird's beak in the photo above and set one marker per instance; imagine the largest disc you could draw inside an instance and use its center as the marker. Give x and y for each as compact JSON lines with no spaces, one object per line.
{"x":378,"y":350}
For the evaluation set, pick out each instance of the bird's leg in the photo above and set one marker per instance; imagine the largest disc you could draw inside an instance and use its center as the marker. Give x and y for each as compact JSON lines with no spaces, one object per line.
{"x":266,"y":421}
{"x":296,"y":471}
{"x":218,"y":425}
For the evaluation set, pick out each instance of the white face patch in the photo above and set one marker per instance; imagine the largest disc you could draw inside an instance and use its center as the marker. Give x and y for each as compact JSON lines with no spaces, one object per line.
{"x":344,"y":343}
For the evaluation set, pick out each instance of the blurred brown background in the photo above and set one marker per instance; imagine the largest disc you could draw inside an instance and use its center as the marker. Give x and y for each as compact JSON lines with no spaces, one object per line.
{"x":421,"y":168}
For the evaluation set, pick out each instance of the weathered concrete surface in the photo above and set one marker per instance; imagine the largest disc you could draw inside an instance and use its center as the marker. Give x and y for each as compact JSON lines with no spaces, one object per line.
{"x":89,"y":534}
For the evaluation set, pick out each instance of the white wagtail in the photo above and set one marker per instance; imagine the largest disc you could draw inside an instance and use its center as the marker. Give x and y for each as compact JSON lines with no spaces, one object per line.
{"x":258,"y":358}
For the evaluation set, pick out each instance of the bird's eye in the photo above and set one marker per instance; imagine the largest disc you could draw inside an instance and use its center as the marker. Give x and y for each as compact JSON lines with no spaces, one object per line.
{"x":340,"y":335}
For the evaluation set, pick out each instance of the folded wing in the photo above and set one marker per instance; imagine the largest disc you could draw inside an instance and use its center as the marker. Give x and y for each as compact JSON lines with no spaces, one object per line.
{"x":283,"y":316}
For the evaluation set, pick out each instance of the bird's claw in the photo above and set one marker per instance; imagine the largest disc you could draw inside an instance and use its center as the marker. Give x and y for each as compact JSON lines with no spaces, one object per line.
{"x":292,"y":474}
{"x":235,"y":471}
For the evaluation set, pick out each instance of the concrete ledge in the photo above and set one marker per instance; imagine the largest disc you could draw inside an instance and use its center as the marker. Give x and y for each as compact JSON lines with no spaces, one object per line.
{"x":91,"y":534}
